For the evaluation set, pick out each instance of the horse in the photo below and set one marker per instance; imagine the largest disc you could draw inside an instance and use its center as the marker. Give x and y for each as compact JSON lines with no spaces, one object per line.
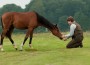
{"x":22,"y":21}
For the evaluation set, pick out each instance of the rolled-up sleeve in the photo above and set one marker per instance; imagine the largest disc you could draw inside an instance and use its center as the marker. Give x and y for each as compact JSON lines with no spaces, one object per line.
{"x":72,"y":28}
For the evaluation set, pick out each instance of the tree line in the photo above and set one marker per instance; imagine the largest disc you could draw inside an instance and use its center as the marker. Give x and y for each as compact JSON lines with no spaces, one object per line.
{"x":56,"y":11}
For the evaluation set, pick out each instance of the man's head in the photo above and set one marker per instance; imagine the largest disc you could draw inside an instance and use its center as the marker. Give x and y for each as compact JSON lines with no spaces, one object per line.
{"x":70,"y":20}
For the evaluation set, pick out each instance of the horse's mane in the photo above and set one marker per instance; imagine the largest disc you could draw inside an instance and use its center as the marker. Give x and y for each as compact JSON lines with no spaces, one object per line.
{"x":44,"y":21}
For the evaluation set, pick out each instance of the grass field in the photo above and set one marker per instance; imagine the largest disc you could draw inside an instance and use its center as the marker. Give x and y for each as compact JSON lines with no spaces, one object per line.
{"x":48,"y":50}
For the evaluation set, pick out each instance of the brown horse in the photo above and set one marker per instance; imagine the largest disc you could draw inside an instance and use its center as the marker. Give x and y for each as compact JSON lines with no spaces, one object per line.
{"x":29,"y":21}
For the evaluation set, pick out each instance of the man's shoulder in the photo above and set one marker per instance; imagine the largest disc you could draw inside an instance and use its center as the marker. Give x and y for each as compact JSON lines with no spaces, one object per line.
{"x":73,"y":25}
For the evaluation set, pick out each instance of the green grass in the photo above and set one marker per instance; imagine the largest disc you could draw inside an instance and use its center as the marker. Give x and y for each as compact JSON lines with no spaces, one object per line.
{"x":48,"y":50}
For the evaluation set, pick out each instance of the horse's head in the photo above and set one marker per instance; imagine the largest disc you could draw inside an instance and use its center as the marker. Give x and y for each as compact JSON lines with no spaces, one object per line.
{"x":55,"y":31}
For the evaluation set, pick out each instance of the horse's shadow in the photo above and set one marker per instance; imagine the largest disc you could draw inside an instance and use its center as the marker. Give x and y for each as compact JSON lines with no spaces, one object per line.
{"x":31,"y":50}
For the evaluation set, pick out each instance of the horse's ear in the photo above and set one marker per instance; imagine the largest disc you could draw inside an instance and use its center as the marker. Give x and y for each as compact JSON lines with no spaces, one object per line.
{"x":56,"y":25}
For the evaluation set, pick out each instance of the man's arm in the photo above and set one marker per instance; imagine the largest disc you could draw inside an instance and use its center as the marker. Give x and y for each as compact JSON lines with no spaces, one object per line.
{"x":72,"y":28}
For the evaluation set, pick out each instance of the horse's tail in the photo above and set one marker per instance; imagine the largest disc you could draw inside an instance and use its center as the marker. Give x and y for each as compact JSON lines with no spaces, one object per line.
{"x":1,"y":23}
{"x":8,"y":34}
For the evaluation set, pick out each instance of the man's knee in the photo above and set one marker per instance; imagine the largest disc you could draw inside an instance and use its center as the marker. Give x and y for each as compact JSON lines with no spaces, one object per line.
{"x":74,"y":46}
{"x":68,"y":46}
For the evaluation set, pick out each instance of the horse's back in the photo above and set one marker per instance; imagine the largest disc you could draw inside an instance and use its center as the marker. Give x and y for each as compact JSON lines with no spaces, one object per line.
{"x":20,"y":19}
{"x":26,"y":19}
{"x":21,"y":14}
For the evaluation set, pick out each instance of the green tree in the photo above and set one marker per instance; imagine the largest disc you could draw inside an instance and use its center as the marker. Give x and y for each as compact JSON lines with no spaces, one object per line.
{"x":83,"y":19}
{"x":56,"y":11}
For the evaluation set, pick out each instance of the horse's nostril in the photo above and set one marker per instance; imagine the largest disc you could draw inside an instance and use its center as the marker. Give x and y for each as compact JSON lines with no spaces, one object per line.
{"x":61,"y":38}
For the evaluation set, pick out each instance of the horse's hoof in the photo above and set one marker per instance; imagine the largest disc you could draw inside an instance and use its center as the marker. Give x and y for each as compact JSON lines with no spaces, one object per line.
{"x":31,"y":47}
{"x":2,"y":50}
{"x":16,"y":49}
{"x":20,"y":50}
{"x":81,"y":46}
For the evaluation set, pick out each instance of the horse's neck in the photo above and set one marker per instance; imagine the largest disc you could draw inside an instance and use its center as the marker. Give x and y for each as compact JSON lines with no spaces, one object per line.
{"x":47,"y":24}
{"x":44,"y":22}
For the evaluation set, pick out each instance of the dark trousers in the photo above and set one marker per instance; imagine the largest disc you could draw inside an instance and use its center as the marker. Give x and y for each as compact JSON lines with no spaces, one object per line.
{"x":75,"y":42}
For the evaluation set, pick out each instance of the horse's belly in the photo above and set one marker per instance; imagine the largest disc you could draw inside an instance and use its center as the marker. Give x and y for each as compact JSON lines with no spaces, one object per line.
{"x":20,"y":25}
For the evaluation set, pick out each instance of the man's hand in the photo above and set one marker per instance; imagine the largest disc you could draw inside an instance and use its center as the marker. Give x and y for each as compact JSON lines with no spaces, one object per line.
{"x":64,"y":37}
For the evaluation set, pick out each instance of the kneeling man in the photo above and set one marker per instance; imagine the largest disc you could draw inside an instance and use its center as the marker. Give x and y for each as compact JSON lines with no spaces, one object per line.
{"x":75,"y":32}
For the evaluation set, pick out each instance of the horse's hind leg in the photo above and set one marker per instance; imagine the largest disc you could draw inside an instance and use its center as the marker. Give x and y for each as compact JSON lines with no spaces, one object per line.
{"x":2,"y":38}
{"x":8,"y":34}
{"x":29,"y":33}
{"x":26,"y":37}
{"x":10,"y":38}
{"x":31,"y":36}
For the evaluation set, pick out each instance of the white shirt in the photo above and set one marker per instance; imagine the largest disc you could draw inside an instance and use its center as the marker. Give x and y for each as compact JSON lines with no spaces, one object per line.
{"x":72,"y":29}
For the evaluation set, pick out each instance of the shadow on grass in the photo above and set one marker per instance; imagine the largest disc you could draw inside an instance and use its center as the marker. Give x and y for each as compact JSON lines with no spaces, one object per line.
{"x":31,"y":50}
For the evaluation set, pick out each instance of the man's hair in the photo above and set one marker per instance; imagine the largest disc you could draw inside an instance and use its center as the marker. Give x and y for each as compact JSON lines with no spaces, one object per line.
{"x":70,"y":18}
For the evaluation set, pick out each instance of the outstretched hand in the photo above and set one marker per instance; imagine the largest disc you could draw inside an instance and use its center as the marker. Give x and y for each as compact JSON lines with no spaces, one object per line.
{"x":64,"y":37}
